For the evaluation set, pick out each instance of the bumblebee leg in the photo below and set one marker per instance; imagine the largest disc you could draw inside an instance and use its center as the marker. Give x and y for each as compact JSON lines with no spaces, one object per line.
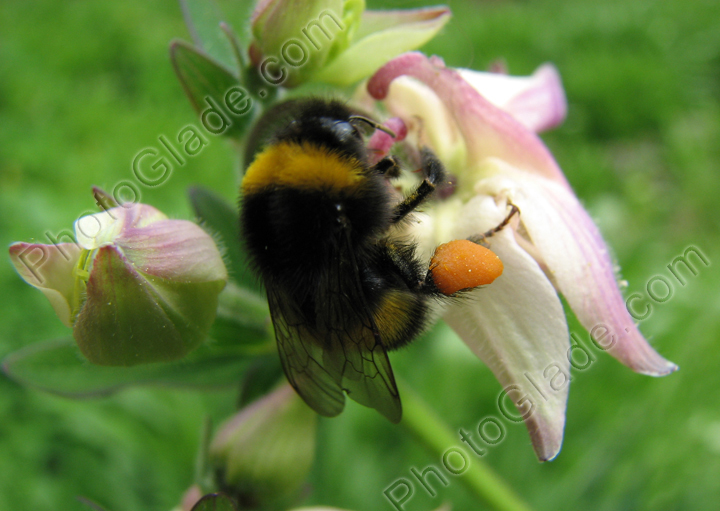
{"x":480,"y":238}
{"x":434,"y":175}
{"x":388,"y":166}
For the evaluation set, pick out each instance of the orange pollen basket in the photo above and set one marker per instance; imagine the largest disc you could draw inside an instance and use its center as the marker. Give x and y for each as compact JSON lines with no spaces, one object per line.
{"x":462,"y":264}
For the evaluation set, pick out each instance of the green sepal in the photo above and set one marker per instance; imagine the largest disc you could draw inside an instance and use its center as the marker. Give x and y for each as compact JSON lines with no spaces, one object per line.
{"x":299,"y":34}
{"x":130,"y":319}
{"x":103,"y":199}
{"x":212,"y":89}
{"x":204,"y":20}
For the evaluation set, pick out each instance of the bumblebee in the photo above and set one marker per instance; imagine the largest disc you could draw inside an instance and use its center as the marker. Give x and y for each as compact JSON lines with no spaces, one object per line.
{"x":316,"y":218}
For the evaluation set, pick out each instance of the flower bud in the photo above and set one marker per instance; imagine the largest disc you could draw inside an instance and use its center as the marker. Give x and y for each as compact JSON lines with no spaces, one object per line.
{"x":334,"y":41}
{"x":266,"y":450}
{"x":293,"y":38}
{"x":136,"y":288}
{"x":380,"y":37}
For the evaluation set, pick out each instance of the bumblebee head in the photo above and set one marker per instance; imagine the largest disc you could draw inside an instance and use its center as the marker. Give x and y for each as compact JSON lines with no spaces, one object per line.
{"x":326,"y":124}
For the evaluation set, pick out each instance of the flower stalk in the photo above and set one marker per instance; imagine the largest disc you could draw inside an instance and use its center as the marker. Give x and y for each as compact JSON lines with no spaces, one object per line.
{"x":436,"y":436}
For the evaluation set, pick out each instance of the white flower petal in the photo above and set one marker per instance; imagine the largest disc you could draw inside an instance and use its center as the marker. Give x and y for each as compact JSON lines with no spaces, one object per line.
{"x":101,"y":229}
{"x":579,"y":263}
{"x":517,"y":327}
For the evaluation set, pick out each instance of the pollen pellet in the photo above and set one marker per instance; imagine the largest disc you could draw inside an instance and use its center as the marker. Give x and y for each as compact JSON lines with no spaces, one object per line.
{"x":462,"y":264}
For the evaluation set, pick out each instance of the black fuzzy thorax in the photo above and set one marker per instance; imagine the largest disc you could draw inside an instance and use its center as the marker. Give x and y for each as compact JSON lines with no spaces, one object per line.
{"x":293,"y":236}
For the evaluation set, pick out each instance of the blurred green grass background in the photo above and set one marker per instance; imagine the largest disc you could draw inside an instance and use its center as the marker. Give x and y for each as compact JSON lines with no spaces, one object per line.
{"x":85,"y":86}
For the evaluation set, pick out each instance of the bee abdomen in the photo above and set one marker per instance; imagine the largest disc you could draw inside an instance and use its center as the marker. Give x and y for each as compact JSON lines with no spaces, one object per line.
{"x":400,"y":316}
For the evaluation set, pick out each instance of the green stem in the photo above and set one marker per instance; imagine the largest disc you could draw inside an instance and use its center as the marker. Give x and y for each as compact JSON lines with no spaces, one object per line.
{"x":436,"y":436}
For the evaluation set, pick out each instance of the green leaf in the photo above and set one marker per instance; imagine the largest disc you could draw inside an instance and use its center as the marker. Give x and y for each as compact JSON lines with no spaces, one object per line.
{"x":204,"y":472}
{"x":58,"y":367}
{"x":221,"y":219}
{"x":260,"y":378}
{"x":223,"y":104}
{"x":215,"y":502}
{"x":243,"y":317}
{"x":238,"y":52}
{"x":203,"y":19}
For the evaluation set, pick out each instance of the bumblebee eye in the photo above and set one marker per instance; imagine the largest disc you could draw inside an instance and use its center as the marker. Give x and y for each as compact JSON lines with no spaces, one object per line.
{"x":343,"y":130}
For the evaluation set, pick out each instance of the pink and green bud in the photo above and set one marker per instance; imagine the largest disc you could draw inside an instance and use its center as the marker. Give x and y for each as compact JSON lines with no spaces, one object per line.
{"x":334,"y":41}
{"x":266,"y":450}
{"x":381,"y":36}
{"x":292,"y":39}
{"x":136,"y":288}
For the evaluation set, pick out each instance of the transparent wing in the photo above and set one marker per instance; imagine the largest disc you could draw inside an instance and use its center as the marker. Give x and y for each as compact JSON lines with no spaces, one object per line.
{"x":301,"y":354}
{"x":341,"y":351}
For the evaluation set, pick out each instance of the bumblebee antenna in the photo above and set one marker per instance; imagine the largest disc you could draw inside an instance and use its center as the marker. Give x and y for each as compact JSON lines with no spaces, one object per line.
{"x":372,"y":123}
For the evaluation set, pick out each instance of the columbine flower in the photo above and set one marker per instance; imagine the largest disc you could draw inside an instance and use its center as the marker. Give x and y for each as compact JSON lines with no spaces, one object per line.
{"x":135,"y":288}
{"x":482,"y":126}
{"x":334,"y":41}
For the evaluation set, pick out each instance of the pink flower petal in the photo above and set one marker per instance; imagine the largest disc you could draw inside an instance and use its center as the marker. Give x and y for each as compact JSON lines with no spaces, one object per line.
{"x":537,"y":101}
{"x":580,"y":266}
{"x":155,"y":245}
{"x":191,"y":497}
{"x":381,"y":142}
{"x":488,"y":131}
{"x":517,"y":327}
{"x":172,"y":250}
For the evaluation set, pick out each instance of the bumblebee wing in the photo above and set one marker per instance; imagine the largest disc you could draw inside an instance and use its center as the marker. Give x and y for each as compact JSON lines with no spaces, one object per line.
{"x":343,"y":351}
{"x":301,"y":355}
{"x":357,"y":353}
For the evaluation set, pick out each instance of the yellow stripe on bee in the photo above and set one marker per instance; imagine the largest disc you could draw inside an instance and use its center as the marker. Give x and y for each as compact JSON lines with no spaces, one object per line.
{"x":303,"y":166}
{"x":393,"y":316}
